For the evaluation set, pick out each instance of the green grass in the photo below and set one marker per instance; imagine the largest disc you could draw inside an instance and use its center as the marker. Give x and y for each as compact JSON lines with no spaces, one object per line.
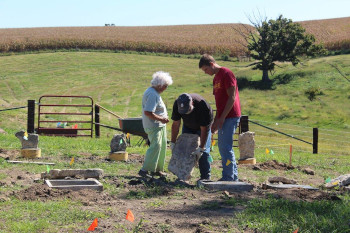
{"x":23,"y":216}
{"x":281,"y":215}
{"x":117,"y":82}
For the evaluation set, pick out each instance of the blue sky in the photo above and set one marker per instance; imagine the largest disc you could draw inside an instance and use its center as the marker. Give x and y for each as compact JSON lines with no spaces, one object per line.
{"x":54,"y":13}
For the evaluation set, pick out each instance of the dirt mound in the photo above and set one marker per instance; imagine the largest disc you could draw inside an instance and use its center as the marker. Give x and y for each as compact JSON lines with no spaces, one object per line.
{"x":9,"y":154}
{"x":136,"y":158}
{"x":272,"y":164}
{"x":43,"y":193}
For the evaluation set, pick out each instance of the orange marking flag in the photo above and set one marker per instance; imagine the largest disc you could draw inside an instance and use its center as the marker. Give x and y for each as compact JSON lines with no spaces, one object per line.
{"x":296,"y":231}
{"x":93,"y":225}
{"x":130,"y":216}
{"x":72,"y":161}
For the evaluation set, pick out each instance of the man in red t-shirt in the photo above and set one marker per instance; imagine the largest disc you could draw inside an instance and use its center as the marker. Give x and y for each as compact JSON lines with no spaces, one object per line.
{"x":228,"y":113}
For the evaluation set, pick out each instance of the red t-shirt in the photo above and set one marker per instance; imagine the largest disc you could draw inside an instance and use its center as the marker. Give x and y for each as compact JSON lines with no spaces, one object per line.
{"x":221,"y":82}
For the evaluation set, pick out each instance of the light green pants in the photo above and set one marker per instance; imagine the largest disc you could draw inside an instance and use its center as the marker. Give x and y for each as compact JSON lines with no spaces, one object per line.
{"x":155,"y":155}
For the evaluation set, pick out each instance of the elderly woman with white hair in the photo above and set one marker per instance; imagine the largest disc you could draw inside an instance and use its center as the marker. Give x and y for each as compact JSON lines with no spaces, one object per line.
{"x":154,"y":119}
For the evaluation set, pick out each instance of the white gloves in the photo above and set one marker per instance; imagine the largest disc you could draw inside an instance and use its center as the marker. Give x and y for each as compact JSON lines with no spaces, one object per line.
{"x":198,"y":152}
{"x":172,"y":145}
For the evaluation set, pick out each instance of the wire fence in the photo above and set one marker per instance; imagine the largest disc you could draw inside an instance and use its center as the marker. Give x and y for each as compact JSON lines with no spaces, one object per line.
{"x":272,"y":135}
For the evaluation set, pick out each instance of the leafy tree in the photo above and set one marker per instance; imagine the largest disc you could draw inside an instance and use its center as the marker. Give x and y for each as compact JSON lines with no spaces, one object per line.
{"x":278,"y":40}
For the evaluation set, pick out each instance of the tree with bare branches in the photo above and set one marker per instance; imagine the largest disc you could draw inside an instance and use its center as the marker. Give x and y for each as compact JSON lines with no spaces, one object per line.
{"x":278,"y":40}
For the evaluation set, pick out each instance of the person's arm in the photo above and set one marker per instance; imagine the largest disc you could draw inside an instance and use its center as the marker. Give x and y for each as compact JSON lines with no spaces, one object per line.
{"x":203,"y":137}
{"x":219,"y":121}
{"x":175,"y":128}
{"x":153,"y":116}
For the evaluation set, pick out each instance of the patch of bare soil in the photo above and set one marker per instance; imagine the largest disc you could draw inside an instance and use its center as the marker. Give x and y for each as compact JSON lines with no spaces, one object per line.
{"x":297,"y":194}
{"x":163,"y":206}
{"x":272,"y":164}
{"x":9,"y":154}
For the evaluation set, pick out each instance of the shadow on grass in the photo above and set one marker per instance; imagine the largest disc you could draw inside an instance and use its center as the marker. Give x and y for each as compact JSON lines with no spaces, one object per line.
{"x":246,"y":83}
{"x":152,"y":187}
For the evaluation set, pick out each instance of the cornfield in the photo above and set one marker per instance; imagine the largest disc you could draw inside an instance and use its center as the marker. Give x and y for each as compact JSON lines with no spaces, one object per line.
{"x":182,"y":39}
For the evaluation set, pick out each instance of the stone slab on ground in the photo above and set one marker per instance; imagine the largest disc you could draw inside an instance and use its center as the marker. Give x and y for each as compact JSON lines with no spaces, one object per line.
{"x":287,"y":186}
{"x":29,"y":162}
{"x":277,"y":179}
{"x":340,"y":181}
{"x":81,"y":173}
{"x":75,"y":184}
{"x":226,"y":186}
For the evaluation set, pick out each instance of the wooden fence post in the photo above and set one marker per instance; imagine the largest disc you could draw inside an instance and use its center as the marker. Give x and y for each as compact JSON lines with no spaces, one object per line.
{"x":315,"y":140}
{"x":31,"y":116}
{"x":97,"y":120}
{"x":244,"y":124}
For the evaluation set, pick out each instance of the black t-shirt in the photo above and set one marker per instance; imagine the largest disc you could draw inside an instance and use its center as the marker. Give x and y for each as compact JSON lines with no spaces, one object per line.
{"x":202,"y":114}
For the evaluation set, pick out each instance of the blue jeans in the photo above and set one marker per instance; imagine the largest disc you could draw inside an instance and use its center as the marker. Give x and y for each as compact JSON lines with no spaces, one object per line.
{"x":204,"y":164}
{"x":225,"y":142}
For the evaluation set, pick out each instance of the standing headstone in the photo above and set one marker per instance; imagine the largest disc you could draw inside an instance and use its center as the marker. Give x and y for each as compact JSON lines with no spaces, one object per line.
{"x":182,"y":162}
{"x":30,"y":142}
{"x":118,"y":143}
{"x":246,"y":145}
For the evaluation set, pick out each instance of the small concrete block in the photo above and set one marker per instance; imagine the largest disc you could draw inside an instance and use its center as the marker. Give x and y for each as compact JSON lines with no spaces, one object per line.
{"x":247,"y":161}
{"x":75,"y":184}
{"x":31,"y":153}
{"x":287,"y":186}
{"x":119,"y":156}
{"x":226,"y":185}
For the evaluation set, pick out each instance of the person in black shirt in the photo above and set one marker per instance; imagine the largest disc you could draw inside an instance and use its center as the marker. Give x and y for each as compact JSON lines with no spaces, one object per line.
{"x":197,"y":117}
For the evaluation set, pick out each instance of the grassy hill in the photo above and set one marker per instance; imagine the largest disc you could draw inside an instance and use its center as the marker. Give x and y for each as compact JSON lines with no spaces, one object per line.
{"x":181,"y":39}
{"x":117,"y":81}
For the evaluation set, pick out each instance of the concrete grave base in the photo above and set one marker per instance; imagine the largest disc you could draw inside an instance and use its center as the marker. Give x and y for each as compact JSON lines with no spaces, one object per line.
{"x":287,"y":186}
{"x":119,"y":156}
{"x":75,"y":184}
{"x":225,"y":185}
{"x":247,"y":161}
{"x":31,"y":153}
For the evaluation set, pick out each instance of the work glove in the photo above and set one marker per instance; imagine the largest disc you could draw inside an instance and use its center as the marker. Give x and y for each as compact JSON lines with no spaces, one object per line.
{"x":172,"y":145}
{"x":198,"y":152}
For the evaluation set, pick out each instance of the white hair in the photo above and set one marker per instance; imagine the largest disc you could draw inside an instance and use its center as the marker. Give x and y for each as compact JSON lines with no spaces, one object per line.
{"x":161,"y":78}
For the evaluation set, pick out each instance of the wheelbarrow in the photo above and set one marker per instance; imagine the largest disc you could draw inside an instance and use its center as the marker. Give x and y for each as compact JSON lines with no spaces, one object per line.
{"x":133,"y":126}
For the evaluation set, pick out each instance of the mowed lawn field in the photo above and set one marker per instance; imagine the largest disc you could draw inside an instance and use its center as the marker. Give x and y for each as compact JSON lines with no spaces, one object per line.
{"x":117,"y":81}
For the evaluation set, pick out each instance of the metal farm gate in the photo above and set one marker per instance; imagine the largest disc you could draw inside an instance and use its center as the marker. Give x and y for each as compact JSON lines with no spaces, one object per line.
{"x":52,"y":110}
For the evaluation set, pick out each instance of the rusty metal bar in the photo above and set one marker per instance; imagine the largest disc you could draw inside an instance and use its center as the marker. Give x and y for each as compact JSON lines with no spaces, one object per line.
{"x":66,"y":121}
{"x":65,"y":105}
{"x":65,"y":113}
